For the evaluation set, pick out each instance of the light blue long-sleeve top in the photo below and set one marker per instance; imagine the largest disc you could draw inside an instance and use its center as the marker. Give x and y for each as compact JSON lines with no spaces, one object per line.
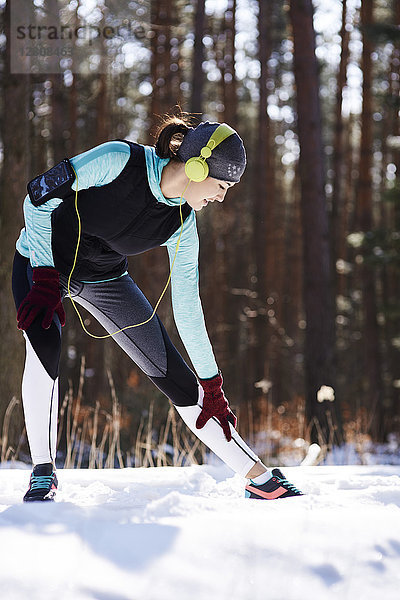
{"x":100,"y":166}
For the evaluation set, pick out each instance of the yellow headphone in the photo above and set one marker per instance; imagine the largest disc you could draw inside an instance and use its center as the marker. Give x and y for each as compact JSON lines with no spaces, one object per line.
{"x":196,"y":170}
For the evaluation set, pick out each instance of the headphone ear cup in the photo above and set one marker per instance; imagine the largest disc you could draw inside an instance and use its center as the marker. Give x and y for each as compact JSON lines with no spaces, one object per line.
{"x":196,"y":169}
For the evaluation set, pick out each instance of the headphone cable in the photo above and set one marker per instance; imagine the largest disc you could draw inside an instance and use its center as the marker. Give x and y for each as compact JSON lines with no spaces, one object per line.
{"x":102,"y":337}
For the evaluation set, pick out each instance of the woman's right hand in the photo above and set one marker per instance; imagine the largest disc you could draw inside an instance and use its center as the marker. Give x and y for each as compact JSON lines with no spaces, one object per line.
{"x":44,"y":297}
{"x":216,"y":405}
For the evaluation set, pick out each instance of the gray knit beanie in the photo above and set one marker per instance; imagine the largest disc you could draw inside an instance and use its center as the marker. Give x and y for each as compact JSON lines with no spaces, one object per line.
{"x":227,"y":162}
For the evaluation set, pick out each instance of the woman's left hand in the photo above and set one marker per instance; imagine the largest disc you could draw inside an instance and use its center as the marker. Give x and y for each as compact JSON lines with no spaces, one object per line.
{"x":216,"y":405}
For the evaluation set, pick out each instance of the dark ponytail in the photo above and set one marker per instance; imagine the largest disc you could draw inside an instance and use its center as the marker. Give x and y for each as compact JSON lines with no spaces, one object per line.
{"x":170,"y":134}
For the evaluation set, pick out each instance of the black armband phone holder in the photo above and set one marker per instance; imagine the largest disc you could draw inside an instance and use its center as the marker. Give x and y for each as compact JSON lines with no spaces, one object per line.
{"x":54,"y":183}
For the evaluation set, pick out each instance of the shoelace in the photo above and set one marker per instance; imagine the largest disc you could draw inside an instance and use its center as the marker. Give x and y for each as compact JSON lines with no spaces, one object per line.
{"x":291,"y":487}
{"x":41,"y":481}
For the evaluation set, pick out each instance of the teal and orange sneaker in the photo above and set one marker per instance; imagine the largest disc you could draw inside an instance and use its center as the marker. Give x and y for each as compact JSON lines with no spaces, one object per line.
{"x":43,"y":484}
{"x":276,"y":487}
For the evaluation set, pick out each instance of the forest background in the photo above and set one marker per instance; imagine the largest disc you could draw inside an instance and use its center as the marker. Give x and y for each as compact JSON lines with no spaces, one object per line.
{"x":299,"y":267}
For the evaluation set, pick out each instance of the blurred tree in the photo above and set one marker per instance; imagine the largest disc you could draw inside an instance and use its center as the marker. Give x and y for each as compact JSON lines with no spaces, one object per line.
{"x":319,"y":335}
{"x":373,"y":391}
{"x":338,"y":207}
{"x":227,"y":64}
{"x":198,"y":57}
{"x":265,"y":210}
{"x":14,"y":175}
{"x":264,"y":200}
{"x":165,"y":55}
{"x":58,"y":97}
{"x":380,"y":242}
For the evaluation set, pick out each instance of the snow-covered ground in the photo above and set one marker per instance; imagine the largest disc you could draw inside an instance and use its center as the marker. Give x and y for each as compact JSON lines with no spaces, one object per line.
{"x":189,"y":534}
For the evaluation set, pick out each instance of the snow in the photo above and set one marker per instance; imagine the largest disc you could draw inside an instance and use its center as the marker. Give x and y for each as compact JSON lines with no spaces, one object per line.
{"x":188,"y":533}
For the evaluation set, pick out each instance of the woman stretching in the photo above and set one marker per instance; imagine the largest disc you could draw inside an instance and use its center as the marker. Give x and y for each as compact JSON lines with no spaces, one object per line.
{"x":130,"y":198}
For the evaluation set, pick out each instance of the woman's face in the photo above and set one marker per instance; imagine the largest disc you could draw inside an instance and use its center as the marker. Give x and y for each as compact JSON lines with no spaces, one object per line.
{"x":200,"y":194}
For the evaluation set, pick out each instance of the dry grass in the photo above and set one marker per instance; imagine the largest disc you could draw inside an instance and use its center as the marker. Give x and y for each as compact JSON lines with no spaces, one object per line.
{"x":92,"y":435}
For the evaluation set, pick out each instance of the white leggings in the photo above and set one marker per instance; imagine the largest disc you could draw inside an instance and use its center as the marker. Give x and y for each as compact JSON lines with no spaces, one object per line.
{"x":40,"y":401}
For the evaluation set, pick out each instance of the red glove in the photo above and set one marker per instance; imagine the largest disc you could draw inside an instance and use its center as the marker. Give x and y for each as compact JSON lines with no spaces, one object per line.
{"x":44,"y":297}
{"x":215,"y":405}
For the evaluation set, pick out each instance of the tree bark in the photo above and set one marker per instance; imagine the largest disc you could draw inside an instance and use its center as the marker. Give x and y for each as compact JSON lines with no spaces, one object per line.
{"x":14,"y":175}
{"x":228,"y":71}
{"x":264,"y":208}
{"x":198,"y":57}
{"x":317,"y":286}
{"x":338,"y":144}
{"x":394,"y":283}
{"x":152,"y":267}
{"x":365,"y":222}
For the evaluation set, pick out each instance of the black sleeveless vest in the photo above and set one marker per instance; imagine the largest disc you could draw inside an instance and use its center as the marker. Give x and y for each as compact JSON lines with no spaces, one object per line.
{"x":119,"y":219}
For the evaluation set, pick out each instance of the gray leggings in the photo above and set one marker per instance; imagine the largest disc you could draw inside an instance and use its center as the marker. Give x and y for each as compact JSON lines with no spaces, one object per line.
{"x":115,"y":304}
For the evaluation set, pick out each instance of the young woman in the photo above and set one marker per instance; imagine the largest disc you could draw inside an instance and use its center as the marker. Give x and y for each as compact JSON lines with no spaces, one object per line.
{"x":128,"y":200}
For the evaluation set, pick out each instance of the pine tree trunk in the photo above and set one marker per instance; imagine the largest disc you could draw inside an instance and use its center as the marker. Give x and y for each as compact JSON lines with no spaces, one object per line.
{"x":57,"y":122}
{"x":338,"y":145}
{"x":292,"y":301}
{"x":319,"y":334}
{"x":73,"y":96}
{"x":371,"y":334}
{"x":14,"y":175}
{"x":229,"y":84}
{"x":198,"y":57}
{"x":73,"y":117}
{"x":391,"y":222}
{"x":152,"y":267}
{"x":165,"y":56}
{"x":102,"y":110}
{"x":264,"y":202}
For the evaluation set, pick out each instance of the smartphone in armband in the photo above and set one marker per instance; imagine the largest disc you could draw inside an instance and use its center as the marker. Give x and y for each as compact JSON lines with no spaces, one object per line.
{"x":54,"y":183}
